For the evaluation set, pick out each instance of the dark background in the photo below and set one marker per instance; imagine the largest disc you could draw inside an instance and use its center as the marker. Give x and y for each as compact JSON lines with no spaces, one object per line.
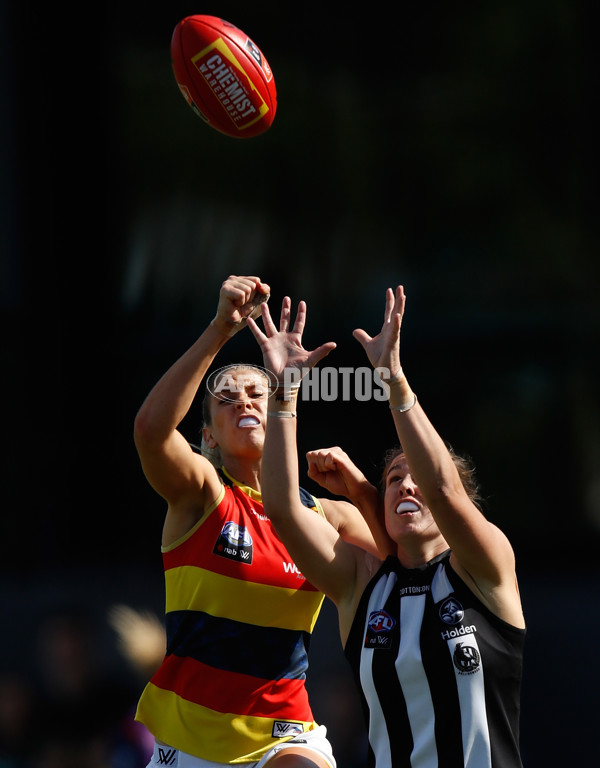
{"x":450,"y":149}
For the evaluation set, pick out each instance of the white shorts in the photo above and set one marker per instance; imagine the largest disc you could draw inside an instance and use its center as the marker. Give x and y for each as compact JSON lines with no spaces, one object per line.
{"x":314,"y":741}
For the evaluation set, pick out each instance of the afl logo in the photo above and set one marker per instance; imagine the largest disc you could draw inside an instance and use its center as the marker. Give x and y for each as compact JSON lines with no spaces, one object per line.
{"x":451,"y":611}
{"x":228,"y":382}
{"x":466,"y":658}
{"x":236,"y":535}
{"x":380,"y":634}
{"x":234,"y":543}
{"x":381,"y":621}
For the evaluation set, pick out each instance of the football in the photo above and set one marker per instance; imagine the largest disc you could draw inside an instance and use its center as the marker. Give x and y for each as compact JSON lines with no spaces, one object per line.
{"x":223,"y":76}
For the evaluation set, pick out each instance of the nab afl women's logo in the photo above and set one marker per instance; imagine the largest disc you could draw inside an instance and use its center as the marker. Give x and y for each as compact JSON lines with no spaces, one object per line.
{"x":380,"y":630}
{"x":466,"y":658}
{"x":451,"y":611}
{"x":235,"y":543}
{"x":381,"y":621}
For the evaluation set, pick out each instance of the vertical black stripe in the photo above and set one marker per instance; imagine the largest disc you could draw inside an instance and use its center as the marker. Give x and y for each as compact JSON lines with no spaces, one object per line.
{"x":390,"y":693}
{"x":442,"y":685}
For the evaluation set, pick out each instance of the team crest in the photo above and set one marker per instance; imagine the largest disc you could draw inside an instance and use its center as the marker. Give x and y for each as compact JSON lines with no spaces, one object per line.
{"x":451,"y":611}
{"x":466,"y":658}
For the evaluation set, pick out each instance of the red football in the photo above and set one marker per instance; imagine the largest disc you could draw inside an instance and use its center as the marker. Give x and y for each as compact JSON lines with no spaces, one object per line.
{"x":223,"y":76}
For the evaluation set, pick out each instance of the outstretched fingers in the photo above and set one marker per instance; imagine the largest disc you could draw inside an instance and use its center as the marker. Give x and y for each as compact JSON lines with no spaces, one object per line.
{"x":300,"y":321}
{"x":256,"y":332}
{"x":399,"y":301}
{"x":362,"y":337}
{"x":319,"y":353}
{"x":286,"y":313}
{"x":269,"y":325}
{"x":394,"y":307}
{"x":284,"y":318}
{"x":389,"y":305}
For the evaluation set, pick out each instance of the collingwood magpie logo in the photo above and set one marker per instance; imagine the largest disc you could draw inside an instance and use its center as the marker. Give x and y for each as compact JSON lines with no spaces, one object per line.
{"x":167,"y":756}
{"x":451,"y":611}
{"x":466,"y":659}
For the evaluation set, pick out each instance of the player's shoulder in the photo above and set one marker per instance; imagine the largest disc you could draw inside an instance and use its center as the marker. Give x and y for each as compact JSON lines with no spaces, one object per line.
{"x":338,"y":512}
{"x":310,"y":501}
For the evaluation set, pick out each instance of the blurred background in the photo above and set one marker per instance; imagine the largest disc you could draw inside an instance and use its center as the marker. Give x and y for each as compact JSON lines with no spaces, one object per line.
{"x":449,"y":149}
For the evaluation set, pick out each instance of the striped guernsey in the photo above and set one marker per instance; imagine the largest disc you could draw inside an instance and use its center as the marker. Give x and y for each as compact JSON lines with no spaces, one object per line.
{"x":239,"y":617}
{"x":439,"y":674}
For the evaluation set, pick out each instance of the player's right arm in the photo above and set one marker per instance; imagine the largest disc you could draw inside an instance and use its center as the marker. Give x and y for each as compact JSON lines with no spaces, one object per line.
{"x":186,"y":480}
{"x":360,"y":522}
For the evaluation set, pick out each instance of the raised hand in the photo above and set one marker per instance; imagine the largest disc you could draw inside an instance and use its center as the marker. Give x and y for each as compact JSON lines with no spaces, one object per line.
{"x":239,"y":298}
{"x":282,"y":349}
{"x":383,"y":350}
{"x":333,"y":469}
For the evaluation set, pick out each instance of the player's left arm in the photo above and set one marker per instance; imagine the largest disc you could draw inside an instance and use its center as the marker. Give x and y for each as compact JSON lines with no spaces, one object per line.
{"x":481,"y":552}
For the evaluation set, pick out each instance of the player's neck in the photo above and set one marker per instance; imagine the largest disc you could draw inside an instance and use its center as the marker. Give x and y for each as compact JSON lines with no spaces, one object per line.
{"x":244,"y":471}
{"x":417,"y":554}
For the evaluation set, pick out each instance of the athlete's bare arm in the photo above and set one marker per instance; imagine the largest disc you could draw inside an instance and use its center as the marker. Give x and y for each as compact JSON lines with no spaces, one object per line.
{"x":186,"y":480}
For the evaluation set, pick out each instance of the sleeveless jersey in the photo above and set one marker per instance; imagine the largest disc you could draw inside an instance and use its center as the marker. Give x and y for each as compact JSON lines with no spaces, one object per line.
{"x":239,"y":617}
{"x":439,"y":675}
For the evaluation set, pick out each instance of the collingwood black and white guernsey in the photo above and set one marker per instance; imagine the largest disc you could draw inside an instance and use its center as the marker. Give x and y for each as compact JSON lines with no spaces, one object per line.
{"x":439,"y":674}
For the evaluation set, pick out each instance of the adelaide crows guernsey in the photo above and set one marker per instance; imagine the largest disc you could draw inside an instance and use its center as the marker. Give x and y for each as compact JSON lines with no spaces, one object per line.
{"x":438,"y":673}
{"x":239,"y":617}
